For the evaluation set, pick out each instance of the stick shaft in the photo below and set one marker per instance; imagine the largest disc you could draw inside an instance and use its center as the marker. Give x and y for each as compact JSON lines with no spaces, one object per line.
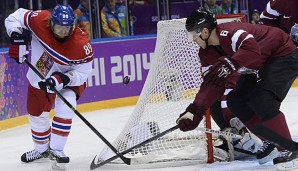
{"x":223,"y":133}
{"x":94,"y":165}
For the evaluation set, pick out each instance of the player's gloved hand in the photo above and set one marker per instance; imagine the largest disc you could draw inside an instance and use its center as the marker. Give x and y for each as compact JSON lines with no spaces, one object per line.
{"x":18,"y":47}
{"x":191,"y":117}
{"x":57,"y":80}
{"x":219,"y":72}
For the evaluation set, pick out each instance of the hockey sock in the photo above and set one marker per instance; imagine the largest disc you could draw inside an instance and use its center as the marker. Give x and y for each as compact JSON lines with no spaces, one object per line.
{"x":251,"y":122}
{"x":60,"y":131}
{"x":279,"y":125}
{"x":41,"y":130}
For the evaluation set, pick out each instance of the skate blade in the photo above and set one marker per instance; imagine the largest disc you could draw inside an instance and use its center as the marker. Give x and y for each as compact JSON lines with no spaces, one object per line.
{"x":58,"y":166}
{"x":290,"y":165}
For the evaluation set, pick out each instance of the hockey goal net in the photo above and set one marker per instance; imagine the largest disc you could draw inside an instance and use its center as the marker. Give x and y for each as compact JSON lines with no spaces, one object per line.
{"x":171,"y":85}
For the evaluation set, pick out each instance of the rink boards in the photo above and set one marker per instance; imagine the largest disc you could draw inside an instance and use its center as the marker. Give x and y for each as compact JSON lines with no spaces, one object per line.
{"x":114,"y":59}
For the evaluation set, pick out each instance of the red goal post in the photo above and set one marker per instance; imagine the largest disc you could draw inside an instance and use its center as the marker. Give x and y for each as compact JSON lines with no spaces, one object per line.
{"x":221,"y":18}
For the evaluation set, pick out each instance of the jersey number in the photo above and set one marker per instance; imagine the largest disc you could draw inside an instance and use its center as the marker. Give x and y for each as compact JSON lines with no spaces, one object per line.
{"x":224,"y":33}
{"x":35,"y":13}
{"x":88,"y":49}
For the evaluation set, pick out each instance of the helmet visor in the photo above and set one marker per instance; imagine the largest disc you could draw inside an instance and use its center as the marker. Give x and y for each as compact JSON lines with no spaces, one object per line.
{"x":62,"y":31}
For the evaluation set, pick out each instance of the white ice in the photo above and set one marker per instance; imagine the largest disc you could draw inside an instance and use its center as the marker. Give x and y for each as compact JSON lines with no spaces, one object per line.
{"x":83,"y":144}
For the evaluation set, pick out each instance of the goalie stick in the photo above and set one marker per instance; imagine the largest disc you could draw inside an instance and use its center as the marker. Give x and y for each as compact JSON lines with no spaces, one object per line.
{"x":97,"y":164}
{"x":125,"y":160}
{"x":223,"y":133}
{"x":275,"y":138}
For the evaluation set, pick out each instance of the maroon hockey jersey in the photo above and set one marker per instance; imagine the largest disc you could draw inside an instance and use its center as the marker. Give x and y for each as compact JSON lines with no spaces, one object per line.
{"x":250,"y":46}
{"x":281,"y":13}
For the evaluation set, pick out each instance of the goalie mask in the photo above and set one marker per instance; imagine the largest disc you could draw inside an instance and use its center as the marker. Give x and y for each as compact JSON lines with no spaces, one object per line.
{"x":62,"y":21}
{"x":198,"y":19}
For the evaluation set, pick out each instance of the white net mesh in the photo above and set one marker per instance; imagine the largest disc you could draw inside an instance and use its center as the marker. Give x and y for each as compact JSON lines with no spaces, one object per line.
{"x":171,"y":85}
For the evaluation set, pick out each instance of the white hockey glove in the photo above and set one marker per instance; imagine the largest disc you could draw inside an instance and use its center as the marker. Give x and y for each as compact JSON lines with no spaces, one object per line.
{"x":250,"y":141}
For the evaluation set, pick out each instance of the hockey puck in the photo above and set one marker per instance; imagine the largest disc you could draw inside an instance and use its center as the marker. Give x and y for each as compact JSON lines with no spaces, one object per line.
{"x":126,"y":80}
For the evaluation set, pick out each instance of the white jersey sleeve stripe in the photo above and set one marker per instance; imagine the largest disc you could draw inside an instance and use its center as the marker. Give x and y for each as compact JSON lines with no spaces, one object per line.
{"x":206,"y":68}
{"x":263,"y":16}
{"x":247,"y":37}
{"x":224,"y":104}
{"x":271,"y":11}
{"x":227,"y":91}
{"x":235,"y":39}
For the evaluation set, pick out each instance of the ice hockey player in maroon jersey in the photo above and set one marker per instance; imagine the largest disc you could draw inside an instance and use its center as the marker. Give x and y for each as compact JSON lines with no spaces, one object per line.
{"x":63,"y":55}
{"x":282,"y":14}
{"x":227,"y":149}
{"x":267,"y":51}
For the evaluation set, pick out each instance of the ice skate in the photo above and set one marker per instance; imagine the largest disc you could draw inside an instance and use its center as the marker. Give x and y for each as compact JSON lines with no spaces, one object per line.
{"x":266,"y":153}
{"x":33,"y":155}
{"x":287,"y":161}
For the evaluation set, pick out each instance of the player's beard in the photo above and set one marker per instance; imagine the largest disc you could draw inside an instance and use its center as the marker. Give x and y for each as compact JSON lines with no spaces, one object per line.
{"x":60,"y":39}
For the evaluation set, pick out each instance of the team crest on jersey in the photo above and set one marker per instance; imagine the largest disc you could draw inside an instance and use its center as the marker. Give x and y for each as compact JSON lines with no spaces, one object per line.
{"x":44,"y":64}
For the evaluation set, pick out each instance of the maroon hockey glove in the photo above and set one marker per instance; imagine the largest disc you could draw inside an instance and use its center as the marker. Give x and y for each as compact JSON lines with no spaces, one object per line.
{"x":18,"y":47}
{"x":219,"y":72}
{"x":57,"y":80}
{"x":191,"y":118}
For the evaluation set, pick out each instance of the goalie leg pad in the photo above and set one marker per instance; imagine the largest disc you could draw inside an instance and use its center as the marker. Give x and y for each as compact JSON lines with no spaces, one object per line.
{"x":223,"y":148}
{"x":251,"y":142}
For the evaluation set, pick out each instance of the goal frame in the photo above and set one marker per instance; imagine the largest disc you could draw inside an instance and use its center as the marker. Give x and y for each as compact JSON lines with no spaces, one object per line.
{"x":207,"y":121}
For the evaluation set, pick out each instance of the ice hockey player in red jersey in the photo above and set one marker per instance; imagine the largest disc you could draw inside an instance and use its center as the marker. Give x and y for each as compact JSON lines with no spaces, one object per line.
{"x":256,"y":98}
{"x":63,"y":54}
{"x":282,"y":14}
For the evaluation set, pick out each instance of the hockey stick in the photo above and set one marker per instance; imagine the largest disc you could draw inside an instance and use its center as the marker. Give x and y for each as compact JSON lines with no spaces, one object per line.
{"x":223,"y":133}
{"x":206,"y":130}
{"x":275,"y":138}
{"x":96,"y":165}
{"x":125,"y":160}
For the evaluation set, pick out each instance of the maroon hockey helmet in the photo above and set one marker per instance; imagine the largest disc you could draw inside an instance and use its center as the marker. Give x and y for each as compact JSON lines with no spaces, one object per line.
{"x":200,"y":18}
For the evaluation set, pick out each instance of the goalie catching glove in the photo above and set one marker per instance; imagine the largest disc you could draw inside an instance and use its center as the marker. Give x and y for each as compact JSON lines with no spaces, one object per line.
{"x":191,"y":117}
{"x":219,"y":72}
{"x":57,"y":80}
